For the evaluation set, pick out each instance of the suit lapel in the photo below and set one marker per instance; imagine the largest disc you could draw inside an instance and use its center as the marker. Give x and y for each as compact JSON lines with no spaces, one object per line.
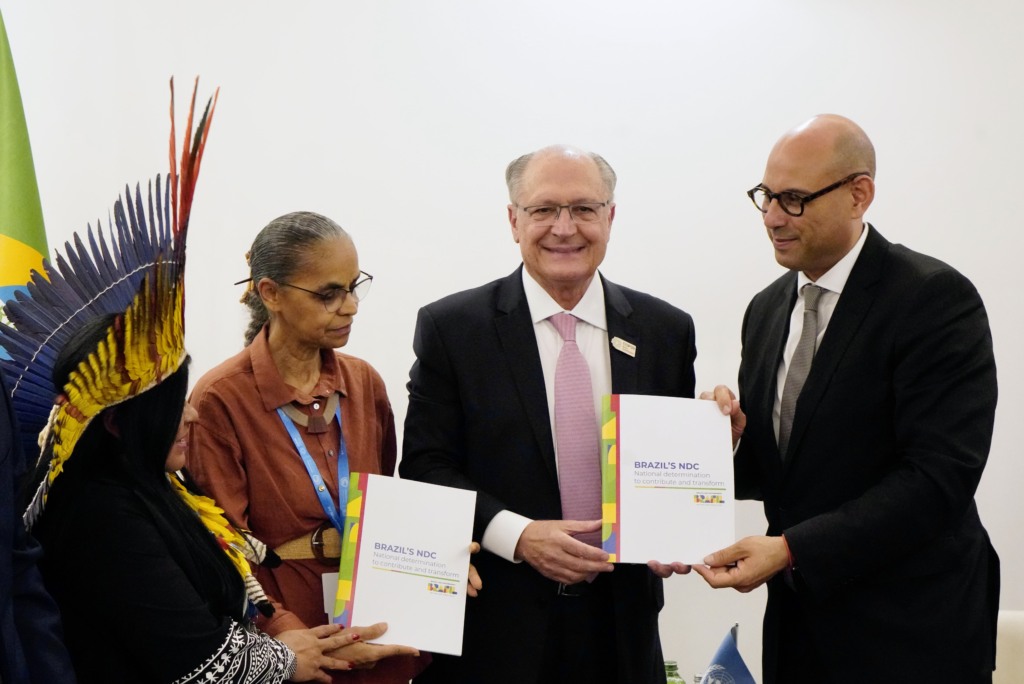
{"x":514,"y":326}
{"x":625,"y":375}
{"x":854,"y":303}
{"x":772,"y":342}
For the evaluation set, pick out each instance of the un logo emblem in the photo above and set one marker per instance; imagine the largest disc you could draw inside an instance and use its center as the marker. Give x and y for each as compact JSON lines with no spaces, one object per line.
{"x":717,"y":674}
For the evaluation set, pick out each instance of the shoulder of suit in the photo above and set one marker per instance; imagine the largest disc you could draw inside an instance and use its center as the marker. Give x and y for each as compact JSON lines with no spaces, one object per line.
{"x":645,"y":303}
{"x":780,"y":287}
{"x":916,"y":263}
{"x":482,"y":298}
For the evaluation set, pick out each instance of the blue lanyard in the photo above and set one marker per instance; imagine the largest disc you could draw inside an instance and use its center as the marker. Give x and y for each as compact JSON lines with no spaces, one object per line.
{"x":322,"y":493}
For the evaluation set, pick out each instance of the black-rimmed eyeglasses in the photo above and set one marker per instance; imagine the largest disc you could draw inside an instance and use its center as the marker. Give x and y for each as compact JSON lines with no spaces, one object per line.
{"x":793,"y":202}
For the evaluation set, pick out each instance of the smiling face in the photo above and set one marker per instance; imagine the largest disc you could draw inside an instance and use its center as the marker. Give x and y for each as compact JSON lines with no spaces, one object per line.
{"x":301,"y":316}
{"x":562,"y":257}
{"x":804,"y":161}
{"x":178,"y":454}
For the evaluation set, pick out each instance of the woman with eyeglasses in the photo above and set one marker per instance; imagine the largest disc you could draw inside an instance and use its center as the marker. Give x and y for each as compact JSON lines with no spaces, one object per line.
{"x":282,"y":423}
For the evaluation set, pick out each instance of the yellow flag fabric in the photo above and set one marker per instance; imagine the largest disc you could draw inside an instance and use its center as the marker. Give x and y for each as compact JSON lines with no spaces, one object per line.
{"x":22,"y":235}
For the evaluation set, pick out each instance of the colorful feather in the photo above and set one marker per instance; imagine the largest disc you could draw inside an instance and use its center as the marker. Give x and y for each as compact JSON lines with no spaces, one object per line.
{"x":137,"y":272}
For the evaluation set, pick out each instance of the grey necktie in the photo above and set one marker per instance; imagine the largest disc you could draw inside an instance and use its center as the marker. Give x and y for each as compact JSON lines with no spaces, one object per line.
{"x":799,"y":366}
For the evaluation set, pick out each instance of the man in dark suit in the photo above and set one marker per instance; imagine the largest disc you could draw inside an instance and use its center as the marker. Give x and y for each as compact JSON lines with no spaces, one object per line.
{"x":877,"y":564}
{"x":482,"y":398}
{"x":31,"y":650}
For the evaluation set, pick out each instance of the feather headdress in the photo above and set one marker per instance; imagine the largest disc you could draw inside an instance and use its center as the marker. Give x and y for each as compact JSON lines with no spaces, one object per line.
{"x":139,"y":273}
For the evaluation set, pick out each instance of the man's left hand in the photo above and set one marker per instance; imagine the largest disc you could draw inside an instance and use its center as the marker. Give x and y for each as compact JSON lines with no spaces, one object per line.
{"x":729,"y":405}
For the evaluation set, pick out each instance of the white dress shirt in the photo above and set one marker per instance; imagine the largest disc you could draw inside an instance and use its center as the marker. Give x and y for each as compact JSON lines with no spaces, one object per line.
{"x":832,"y":282}
{"x":503,"y":532}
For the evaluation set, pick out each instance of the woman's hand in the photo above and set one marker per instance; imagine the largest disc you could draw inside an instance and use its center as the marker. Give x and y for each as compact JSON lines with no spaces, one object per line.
{"x":364,"y":656}
{"x":475,"y":584}
{"x":312,"y":649}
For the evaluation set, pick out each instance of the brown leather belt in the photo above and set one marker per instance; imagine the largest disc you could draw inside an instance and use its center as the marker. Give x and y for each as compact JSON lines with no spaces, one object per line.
{"x":323,"y":544}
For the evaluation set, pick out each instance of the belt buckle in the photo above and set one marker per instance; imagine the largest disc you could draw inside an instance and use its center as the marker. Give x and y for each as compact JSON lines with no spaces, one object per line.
{"x":316,"y":544}
{"x":570,"y":590}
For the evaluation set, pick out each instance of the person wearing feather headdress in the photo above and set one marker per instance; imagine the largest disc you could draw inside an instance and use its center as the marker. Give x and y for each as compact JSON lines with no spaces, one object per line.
{"x":153,"y":583}
{"x":147,"y":593}
{"x":283,"y":422}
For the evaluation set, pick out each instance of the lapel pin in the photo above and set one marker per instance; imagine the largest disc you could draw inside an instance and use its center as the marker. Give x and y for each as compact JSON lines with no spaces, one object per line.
{"x":627,"y":348}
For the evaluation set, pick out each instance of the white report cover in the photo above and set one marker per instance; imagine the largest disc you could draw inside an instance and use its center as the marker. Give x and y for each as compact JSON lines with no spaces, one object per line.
{"x":405,"y":561}
{"x":667,"y":479}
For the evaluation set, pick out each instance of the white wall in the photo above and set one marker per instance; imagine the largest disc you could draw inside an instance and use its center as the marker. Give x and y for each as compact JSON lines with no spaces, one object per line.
{"x":397,"y":119}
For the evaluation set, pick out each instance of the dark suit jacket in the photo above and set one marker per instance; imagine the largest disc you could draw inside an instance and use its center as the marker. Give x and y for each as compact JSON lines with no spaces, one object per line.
{"x":478,"y":419}
{"x":31,"y":650}
{"x":895,"y":577}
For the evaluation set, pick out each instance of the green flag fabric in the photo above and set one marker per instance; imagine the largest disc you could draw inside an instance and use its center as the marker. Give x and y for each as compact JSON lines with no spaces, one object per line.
{"x":22,"y":235}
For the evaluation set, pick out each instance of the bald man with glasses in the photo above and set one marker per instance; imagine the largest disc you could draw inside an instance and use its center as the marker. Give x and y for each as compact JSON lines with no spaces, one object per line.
{"x":867,"y":399}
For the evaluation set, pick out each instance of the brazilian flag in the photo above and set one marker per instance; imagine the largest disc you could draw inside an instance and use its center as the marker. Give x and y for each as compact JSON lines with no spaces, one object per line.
{"x":22,"y":235}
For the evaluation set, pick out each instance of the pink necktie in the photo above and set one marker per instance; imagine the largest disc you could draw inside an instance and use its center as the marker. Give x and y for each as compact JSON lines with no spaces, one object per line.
{"x":576,"y":432}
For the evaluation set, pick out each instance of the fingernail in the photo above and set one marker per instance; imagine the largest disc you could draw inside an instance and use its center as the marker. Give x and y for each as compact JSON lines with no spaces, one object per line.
{"x":355,"y":637}
{"x":726,"y":409}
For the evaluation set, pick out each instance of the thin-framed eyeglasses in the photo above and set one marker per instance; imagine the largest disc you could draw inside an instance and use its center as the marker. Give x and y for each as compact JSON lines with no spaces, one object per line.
{"x":333,"y":298}
{"x":579,"y":212}
{"x":793,"y":202}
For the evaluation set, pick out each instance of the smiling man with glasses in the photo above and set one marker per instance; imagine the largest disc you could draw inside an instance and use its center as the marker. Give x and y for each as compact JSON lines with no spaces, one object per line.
{"x":867,"y":397}
{"x":793,"y":202}
{"x":503,"y":400}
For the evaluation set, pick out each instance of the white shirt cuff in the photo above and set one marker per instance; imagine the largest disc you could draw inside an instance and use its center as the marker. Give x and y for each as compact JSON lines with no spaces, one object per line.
{"x":502,"y":534}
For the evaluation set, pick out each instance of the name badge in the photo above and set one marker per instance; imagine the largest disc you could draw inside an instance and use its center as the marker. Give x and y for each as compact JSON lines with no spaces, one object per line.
{"x":627,"y":348}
